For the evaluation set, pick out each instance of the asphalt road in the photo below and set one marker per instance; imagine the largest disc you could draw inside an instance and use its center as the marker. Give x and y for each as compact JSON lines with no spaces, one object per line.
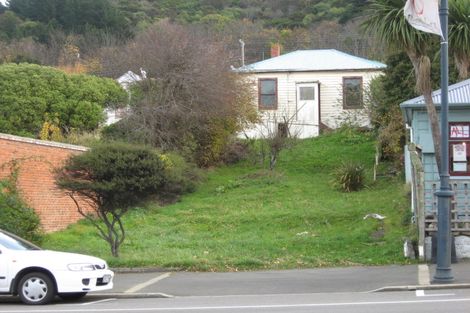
{"x":364,"y":278}
{"x":456,"y":301}
{"x":353,"y":289}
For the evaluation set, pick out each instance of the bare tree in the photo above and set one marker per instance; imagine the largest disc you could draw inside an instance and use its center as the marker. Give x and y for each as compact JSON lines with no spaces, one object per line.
{"x":277,"y":132}
{"x":189,"y":94}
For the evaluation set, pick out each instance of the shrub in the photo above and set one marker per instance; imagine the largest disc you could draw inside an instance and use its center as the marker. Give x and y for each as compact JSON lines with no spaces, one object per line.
{"x":32,"y":95}
{"x":111,"y":179}
{"x":235,"y":151}
{"x":82,"y":138}
{"x":391,"y":138}
{"x":179,"y":177}
{"x":189,"y":101}
{"x":352,"y":135}
{"x":350,"y":176}
{"x":210,"y":142}
{"x":15,"y":216}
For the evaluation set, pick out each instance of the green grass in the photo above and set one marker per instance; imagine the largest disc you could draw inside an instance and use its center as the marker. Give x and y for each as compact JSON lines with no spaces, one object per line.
{"x":245,"y":218}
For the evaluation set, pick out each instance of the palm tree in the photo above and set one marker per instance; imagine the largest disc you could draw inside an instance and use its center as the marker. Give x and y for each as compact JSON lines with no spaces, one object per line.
{"x":459,"y":35}
{"x":386,"y":21}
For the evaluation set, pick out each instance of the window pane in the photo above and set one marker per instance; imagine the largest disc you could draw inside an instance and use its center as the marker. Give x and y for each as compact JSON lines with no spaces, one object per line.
{"x":353,"y":97}
{"x":459,"y":144}
{"x":307,"y":93}
{"x":352,"y":92}
{"x":353,"y":83}
{"x":268,"y":93}
{"x":268,"y":87}
{"x":268,"y":101}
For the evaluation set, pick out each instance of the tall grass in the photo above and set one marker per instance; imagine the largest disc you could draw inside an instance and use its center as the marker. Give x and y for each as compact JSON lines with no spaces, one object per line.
{"x":245,"y":218}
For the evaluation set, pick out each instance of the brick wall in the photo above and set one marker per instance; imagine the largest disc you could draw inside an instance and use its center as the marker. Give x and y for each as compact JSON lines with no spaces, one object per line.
{"x":37,"y":160}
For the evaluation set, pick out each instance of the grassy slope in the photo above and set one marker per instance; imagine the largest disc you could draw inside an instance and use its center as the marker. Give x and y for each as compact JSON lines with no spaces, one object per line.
{"x":246,"y":218}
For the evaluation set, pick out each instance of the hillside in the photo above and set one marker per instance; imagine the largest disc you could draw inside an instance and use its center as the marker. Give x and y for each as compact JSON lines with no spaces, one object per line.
{"x":243,"y":217}
{"x":272,"y":13}
{"x":49,"y":34}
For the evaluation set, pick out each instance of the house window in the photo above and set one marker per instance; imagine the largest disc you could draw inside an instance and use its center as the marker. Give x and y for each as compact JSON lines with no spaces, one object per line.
{"x":306,"y":93}
{"x":459,"y":148}
{"x":267,"y":93}
{"x":352,"y":92}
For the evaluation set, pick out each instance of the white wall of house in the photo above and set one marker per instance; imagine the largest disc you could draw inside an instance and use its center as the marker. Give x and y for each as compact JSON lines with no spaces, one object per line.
{"x":330,"y":110}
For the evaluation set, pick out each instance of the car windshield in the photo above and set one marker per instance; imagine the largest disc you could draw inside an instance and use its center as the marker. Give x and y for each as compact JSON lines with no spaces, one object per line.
{"x":14,"y":242}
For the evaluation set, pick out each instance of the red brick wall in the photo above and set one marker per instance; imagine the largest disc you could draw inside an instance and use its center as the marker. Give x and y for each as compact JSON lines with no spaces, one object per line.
{"x":37,"y":160}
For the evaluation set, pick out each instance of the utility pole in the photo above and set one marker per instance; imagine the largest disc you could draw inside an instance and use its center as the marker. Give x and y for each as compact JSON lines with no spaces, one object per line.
{"x":444,"y":237}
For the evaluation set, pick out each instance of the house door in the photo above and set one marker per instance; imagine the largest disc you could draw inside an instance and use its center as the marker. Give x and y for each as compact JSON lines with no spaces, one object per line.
{"x":307,"y":105}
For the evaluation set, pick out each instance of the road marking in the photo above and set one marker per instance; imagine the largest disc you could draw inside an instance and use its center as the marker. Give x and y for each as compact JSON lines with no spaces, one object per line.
{"x":420,"y":293}
{"x":99,"y":301}
{"x":423,"y":275}
{"x":147,"y":283}
{"x":240,"y":307}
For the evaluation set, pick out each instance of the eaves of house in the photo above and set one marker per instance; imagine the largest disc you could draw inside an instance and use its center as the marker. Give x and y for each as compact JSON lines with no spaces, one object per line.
{"x":458,"y":97}
{"x":313,"y":61}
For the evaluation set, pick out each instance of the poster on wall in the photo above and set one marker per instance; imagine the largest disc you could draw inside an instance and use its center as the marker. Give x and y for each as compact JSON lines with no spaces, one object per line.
{"x":460,"y":152}
{"x":460,"y":167}
{"x":459,"y":131}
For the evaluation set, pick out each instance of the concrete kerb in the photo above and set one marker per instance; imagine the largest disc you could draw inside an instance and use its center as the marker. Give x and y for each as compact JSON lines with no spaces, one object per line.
{"x":422,"y":287}
{"x":129,"y":270}
{"x":124,"y":295}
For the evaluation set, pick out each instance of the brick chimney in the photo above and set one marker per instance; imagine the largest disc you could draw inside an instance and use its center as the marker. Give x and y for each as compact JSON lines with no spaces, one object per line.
{"x":275,"y":50}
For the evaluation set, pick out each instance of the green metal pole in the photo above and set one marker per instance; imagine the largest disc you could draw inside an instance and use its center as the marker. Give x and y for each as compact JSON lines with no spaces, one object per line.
{"x":444,"y":238}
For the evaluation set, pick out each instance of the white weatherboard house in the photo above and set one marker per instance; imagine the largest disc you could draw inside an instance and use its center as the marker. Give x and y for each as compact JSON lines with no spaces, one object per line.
{"x":126,"y":80}
{"x":311,"y":89}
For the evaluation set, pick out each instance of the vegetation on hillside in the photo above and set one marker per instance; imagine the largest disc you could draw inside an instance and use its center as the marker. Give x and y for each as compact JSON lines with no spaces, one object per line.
{"x":244,"y":217}
{"x":189,"y":102}
{"x":118,"y":16}
{"x":38,"y":18}
{"x":385,"y":19}
{"x":37,"y":31}
{"x":109,"y":180}
{"x":277,"y":13}
{"x":15,"y":215}
{"x":32,"y":96}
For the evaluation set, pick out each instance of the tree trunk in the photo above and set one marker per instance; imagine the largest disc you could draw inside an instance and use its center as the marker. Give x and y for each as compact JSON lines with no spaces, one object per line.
{"x":435,"y":129}
{"x":273,"y":160}
{"x":115,"y":249}
{"x":463,"y":65}
{"x":422,"y":68}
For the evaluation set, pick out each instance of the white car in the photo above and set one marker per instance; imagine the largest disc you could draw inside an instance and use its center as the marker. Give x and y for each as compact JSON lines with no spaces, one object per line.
{"x":37,"y":275}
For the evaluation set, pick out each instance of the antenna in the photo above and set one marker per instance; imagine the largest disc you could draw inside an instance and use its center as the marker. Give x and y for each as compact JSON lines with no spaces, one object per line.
{"x":243,"y":51}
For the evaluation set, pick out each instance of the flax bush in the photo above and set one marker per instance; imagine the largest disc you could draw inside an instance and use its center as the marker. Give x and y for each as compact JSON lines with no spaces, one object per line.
{"x":349,"y":176}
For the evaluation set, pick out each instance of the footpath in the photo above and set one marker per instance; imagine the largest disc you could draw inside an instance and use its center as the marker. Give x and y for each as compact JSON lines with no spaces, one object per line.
{"x":135,"y":283}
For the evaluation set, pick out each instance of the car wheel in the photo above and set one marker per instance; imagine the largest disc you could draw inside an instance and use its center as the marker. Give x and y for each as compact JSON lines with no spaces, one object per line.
{"x":36,"y":288}
{"x":68,"y":296}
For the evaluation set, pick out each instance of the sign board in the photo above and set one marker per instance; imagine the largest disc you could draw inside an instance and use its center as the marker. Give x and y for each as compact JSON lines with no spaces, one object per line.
{"x":459,"y":131}
{"x":459,"y":152}
{"x":460,"y":167}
